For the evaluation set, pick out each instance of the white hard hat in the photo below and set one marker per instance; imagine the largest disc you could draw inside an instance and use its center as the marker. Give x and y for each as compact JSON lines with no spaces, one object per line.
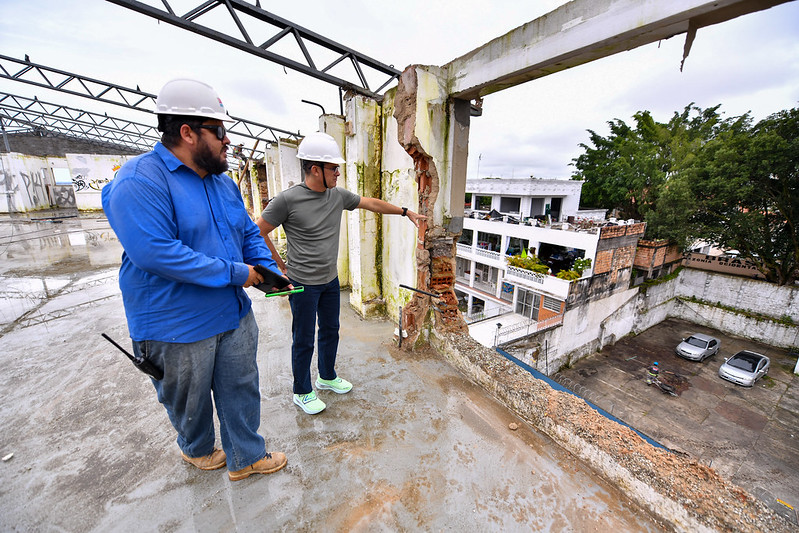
{"x":184,"y":96}
{"x":320,"y":147}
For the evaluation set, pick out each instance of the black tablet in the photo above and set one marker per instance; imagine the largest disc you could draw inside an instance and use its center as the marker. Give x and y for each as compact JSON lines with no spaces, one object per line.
{"x":271,"y":280}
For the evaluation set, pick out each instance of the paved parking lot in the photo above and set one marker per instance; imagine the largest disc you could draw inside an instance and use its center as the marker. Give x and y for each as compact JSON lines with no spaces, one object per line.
{"x":748,"y":435}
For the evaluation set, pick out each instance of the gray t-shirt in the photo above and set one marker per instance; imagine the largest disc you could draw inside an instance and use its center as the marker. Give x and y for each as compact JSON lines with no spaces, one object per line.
{"x":312,"y":222}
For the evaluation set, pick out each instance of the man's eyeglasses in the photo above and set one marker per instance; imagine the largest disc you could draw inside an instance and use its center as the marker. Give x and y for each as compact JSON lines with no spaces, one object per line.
{"x":218,"y":130}
{"x":334,"y":168}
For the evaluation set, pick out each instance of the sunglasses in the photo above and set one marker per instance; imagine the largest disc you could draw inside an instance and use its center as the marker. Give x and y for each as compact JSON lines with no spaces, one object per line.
{"x":218,"y":130}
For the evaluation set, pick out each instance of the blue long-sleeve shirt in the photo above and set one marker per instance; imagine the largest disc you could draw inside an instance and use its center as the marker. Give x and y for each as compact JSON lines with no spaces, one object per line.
{"x":187,"y":241}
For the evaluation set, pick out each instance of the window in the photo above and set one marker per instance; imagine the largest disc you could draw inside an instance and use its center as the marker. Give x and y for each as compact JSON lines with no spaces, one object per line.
{"x":466,"y":237}
{"x":462,"y":268}
{"x":516,"y":245}
{"x":483,"y":203}
{"x":528,"y":303}
{"x":537,"y":207}
{"x":552,"y":304}
{"x":507,"y":292}
{"x":62,"y":176}
{"x":509,"y":205}
{"x":488,"y":241}
{"x":467,"y":201}
{"x":485,"y":273}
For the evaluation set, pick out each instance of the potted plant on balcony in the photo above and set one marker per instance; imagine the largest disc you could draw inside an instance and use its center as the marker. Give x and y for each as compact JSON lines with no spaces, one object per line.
{"x":528,"y":262}
{"x":576,"y":272}
{"x":581,"y":265}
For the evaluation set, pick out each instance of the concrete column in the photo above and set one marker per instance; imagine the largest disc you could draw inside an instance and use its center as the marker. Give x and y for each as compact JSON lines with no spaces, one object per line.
{"x":434,"y":130}
{"x":334,"y":125}
{"x":263,"y":186}
{"x":472,"y":270}
{"x":362,"y":143}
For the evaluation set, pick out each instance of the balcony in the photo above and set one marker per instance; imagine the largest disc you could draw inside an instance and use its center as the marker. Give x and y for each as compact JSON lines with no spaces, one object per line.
{"x":524,"y":329}
{"x":559,"y":288}
{"x":486,"y":286}
{"x":488,"y":257}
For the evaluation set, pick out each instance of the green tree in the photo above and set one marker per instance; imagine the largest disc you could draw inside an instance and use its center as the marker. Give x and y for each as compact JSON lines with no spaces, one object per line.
{"x":745,"y":186}
{"x":628,"y":170}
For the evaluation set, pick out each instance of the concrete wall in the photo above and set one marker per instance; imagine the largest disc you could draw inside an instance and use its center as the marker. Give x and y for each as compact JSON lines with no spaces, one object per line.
{"x":90,"y":173}
{"x":596,"y":323}
{"x":587,"y":328}
{"x":398,"y":179}
{"x":363,"y":142}
{"x":741,"y":293}
{"x":763,"y":308}
{"x":27,"y":183}
{"x":24,"y":181}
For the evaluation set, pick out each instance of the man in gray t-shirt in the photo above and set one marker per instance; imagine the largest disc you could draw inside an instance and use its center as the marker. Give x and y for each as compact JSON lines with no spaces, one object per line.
{"x":310,"y":214}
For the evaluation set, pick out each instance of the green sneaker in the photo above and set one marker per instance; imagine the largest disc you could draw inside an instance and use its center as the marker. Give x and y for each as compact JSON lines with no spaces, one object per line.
{"x":338,"y":385}
{"x":309,"y":403}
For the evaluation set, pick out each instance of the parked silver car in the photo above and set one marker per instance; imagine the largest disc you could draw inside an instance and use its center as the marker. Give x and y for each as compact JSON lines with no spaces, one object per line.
{"x":744,"y":368}
{"x":698,"y":347}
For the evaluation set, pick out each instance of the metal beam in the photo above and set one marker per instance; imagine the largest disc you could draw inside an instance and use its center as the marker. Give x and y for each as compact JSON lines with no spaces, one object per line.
{"x":45,"y":118}
{"x":23,"y":104}
{"x":32,"y":114}
{"x":31,"y":73}
{"x":19,"y":124}
{"x":266,"y":20}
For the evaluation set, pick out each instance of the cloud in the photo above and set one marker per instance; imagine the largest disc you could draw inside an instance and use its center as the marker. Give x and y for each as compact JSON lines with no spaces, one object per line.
{"x":749,"y":63}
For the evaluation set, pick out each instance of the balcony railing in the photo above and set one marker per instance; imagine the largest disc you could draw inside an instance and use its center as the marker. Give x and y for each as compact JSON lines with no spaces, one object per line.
{"x":527,"y":275}
{"x":488,"y":254}
{"x":539,"y":282}
{"x":523,"y":329}
{"x":485,"y":315}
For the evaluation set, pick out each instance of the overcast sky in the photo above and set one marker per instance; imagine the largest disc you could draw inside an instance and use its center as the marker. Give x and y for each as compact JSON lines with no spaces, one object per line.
{"x":746,"y":64}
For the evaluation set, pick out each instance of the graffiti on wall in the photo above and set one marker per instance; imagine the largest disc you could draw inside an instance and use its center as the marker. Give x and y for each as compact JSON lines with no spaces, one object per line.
{"x":36,"y":187}
{"x":9,"y":188}
{"x":723,"y":264}
{"x":64,"y":196}
{"x":82,"y":182}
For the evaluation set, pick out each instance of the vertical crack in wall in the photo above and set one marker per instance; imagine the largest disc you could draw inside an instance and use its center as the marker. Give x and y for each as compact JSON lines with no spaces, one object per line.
{"x":435,"y":250}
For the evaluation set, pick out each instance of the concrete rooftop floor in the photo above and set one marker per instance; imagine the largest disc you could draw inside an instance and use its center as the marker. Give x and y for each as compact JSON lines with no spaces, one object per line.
{"x":414,"y":446}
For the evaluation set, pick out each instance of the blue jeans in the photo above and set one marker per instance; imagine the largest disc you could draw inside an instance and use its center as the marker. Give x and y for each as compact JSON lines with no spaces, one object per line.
{"x":224,"y":365}
{"x":316,"y":302}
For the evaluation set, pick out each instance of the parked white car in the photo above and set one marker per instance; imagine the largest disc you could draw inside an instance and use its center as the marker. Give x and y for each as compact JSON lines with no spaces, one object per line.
{"x":698,"y":347}
{"x":745,"y":368}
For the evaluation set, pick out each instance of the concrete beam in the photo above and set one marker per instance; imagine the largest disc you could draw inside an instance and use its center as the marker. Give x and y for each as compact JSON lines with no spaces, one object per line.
{"x":582,"y":31}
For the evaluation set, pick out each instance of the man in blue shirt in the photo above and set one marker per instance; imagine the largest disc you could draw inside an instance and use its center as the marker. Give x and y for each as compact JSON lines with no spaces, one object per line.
{"x":190,"y":248}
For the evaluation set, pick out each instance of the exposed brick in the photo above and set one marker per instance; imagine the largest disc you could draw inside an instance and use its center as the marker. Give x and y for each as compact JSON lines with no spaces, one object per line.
{"x":603,"y":261}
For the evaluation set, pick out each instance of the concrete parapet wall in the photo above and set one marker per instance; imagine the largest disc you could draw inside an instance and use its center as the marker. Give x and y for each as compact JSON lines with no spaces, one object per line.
{"x":740,"y":293}
{"x":743,"y":307}
{"x":665,"y":484}
{"x":711,"y":299}
{"x":761,"y":330}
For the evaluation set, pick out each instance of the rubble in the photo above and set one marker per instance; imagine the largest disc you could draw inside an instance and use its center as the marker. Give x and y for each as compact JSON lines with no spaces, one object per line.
{"x":686,"y":494}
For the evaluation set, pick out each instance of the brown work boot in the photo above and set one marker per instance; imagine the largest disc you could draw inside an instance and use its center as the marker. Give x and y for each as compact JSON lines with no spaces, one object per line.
{"x":212,"y":461}
{"x":273,"y":462}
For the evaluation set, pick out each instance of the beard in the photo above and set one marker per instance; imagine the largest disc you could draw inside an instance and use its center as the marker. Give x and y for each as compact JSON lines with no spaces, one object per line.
{"x":205,"y":159}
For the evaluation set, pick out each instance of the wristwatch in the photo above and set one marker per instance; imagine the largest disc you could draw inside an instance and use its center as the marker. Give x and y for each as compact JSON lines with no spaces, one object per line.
{"x":405,"y":211}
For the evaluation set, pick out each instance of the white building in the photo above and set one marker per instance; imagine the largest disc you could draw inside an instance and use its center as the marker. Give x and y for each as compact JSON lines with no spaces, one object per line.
{"x":502,"y":219}
{"x":529,"y":198}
